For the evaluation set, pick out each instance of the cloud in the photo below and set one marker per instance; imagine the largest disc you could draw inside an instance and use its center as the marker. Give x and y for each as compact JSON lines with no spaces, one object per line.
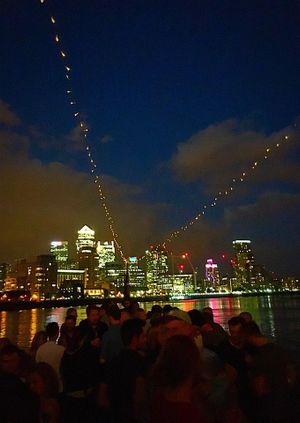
{"x":46,"y":201}
{"x":72,"y":142}
{"x":13,"y":144}
{"x":8,"y":117}
{"x":221,"y":152}
{"x":106,"y":139}
{"x":272,"y":222}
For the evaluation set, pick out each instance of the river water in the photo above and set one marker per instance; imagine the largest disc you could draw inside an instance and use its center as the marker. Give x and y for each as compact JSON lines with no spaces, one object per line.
{"x":278,"y":317}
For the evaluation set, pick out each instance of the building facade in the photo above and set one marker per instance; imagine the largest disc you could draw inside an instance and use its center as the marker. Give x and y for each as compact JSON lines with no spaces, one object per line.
{"x":85,"y":238}
{"x":212,"y":276}
{"x":107,"y":253}
{"x":45,"y":277}
{"x":157,"y":271}
{"x":243,"y":264}
{"x":60,"y":249}
{"x":87,"y":255}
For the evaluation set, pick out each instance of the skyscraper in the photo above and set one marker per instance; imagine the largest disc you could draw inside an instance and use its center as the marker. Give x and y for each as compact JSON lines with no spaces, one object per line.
{"x":136,"y":275}
{"x":244,"y":263}
{"x":87,"y":256}
{"x":157,"y":270}
{"x":60,"y":250}
{"x":106,"y":252}
{"x":85,"y":238}
{"x":45,"y":285}
{"x":212,"y":274}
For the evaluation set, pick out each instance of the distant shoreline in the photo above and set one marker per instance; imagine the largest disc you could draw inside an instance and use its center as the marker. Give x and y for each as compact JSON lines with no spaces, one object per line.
{"x":29,"y":305}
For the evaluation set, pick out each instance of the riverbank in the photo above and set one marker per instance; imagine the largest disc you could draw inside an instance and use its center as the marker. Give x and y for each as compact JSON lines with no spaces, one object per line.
{"x":30,"y":305}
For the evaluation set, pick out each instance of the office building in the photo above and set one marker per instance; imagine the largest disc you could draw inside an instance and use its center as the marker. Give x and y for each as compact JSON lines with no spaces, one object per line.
{"x":88,"y":261}
{"x":45,"y":275}
{"x":137,"y":278}
{"x":85,"y":238}
{"x":87,"y":256}
{"x":71,"y":283}
{"x":243,"y":263}
{"x":157,"y":271}
{"x":60,"y":250}
{"x":212,"y":274}
{"x":106,"y":252}
{"x":71,"y":275}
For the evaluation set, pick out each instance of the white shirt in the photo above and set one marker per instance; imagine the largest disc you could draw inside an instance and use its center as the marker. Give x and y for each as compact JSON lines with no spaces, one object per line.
{"x":51,"y":353}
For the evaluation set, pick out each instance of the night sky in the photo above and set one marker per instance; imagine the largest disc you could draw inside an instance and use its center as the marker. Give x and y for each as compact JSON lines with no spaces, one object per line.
{"x":180,"y":97}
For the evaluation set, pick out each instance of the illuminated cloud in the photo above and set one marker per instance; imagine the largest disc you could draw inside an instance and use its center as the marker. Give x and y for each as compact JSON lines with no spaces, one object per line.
{"x":46,"y":201}
{"x":69,"y":143}
{"x":220,"y":152}
{"x":7,"y":116}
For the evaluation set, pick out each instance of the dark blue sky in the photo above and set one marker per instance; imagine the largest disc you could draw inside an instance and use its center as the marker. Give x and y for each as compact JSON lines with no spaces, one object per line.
{"x":150,"y":75}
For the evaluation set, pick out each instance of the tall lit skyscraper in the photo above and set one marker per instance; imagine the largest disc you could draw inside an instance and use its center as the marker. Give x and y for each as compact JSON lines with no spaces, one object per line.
{"x":87,"y":256}
{"x":106,"y":252}
{"x":244,"y":262}
{"x":45,"y":276}
{"x":136,"y":275}
{"x":212,"y":273}
{"x":60,"y":250}
{"x":85,"y":238}
{"x":156,"y":270}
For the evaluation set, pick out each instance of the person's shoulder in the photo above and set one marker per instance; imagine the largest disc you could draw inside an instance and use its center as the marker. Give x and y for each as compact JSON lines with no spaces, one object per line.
{"x":42,"y":347}
{"x":60,"y":348}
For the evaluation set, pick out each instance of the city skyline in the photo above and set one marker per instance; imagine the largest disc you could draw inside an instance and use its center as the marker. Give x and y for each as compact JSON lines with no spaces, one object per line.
{"x":67,"y":252}
{"x":95,"y":272}
{"x":179,"y":101}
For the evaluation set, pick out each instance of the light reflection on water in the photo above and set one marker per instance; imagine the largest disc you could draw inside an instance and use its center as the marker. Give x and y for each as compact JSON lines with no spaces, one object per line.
{"x":278,"y":317}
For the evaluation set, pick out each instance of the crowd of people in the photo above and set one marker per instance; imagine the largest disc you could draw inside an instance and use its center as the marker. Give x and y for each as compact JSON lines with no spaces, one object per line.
{"x":121,"y":364}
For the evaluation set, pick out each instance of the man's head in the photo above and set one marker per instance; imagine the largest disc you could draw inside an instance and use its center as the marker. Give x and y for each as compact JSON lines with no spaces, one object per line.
{"x":72,"y":312}
{"x":235,"y":326}
{"x":252,"y":334}
{"x":70,"y":323}
{"x":167,"y":308}
{"x":93,"y":314}
{"x":133,"y":308}
{"x":246,"y":316}
{"x":132,"y":334}
{"x":125,"y":315}
{"x":208,"y":310}
{"x":178,"y":327}
{"x":10,"y":359}
{"x":52,"y":331}
{"x":114,"y":314}
{"x":141,"y":314}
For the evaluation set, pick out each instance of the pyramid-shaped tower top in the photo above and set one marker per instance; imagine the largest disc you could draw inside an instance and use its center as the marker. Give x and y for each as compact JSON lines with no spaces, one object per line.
{"x":86,"y":230}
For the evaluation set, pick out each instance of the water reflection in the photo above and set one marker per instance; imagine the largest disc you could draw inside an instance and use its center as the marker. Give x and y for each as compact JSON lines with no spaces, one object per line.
{"x":3,"y":323}
{"x":33,"y":323}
